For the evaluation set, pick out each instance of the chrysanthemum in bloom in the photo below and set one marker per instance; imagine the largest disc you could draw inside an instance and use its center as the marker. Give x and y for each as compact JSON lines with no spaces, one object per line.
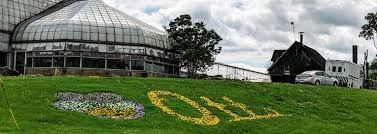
{"x":103,"y":105}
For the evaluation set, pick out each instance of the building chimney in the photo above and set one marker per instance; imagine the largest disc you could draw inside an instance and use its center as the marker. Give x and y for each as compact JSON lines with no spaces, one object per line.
{"x":302,"y":38}
{"x":354,"y":54}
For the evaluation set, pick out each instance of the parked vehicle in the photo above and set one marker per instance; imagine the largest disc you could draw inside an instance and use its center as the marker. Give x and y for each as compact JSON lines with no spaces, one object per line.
{"x":316,"y":78}
{"x":347,"y":73}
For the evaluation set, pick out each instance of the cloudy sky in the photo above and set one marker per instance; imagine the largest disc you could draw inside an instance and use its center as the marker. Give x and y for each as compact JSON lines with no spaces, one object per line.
{"x":252,"y":29}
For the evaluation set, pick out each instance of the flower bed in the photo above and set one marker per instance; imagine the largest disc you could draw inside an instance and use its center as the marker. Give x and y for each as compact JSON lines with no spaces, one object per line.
{"x":103,"y":105}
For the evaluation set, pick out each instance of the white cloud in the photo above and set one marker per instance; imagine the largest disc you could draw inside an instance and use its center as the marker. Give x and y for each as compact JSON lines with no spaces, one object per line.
{"x":252,"y":29}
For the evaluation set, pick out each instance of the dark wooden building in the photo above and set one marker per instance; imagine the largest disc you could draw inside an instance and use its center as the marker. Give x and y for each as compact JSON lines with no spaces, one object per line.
{"x":298,"y":58}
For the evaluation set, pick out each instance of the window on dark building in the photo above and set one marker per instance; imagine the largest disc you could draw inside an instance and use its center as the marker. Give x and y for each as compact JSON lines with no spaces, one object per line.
{"x":72,"y":53}
{"x":149,"y":58}
{"x":73,"y":62}
{"x":3,"y":59}
{"x":29,"y":62}
{"x":137,"y":57}
{"x":128,"y":63}
{"x":149,"y":66}
{"x":93,"y":63}
{"x":42,"y":62}
{"x":137,"y":65}
{"x":72,"y":46}
{"x":58,"y":61}
{"x":158,"y":68}
{"x":176,"y":70}
{"x":169,"y":69}
{"x":117,"y":64}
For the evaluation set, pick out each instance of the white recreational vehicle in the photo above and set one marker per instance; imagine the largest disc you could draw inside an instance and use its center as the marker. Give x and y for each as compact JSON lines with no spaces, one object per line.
{"x":347,"y":73}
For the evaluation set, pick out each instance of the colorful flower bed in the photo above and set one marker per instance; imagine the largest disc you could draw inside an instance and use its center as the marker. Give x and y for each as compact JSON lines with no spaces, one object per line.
{"x":103,"y":105}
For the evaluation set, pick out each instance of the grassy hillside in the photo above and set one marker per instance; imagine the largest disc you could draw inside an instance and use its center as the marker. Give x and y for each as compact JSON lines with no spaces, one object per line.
{"x":306,"y":109}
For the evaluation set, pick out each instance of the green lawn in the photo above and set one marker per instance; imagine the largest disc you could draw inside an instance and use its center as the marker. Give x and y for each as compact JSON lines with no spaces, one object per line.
{"x":306,"y":109}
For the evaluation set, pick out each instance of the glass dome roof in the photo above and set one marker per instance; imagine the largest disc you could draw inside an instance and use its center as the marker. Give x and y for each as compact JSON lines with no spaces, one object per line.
{"x":89,"y":21}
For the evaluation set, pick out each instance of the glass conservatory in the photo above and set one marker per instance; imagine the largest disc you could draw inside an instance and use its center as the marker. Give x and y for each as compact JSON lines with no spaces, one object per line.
{"x":88,"y":37}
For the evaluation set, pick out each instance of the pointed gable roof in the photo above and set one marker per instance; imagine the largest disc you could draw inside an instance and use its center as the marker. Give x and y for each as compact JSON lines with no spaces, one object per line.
{"x":277,"y":54}
{"x":310,"y":51}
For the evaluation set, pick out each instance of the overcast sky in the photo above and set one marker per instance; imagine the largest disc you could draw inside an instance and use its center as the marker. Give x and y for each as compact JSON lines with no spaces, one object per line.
{"x":252,"y":29}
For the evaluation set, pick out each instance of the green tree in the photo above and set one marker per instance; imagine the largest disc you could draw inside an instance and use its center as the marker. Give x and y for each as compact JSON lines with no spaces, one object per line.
{"x":373,"y":65}
{"x":196,"y":46}
{"x":369,"y":30}
{"x":372,"y":68}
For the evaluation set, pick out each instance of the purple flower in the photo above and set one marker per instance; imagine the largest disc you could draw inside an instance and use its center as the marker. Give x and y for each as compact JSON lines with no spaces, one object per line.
{"x":82,"y":103}
{"x":103,"y":98}
{"x":68,"y":96}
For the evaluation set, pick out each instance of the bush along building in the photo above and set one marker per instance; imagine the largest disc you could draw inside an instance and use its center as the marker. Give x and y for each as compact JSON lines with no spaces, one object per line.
{"x":298,"y":58}
{"x":81,"y":37}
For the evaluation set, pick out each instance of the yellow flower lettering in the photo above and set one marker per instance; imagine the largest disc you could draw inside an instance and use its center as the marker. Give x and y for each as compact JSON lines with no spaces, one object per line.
{"x":253,"y":116}
{"x":206,"y":119}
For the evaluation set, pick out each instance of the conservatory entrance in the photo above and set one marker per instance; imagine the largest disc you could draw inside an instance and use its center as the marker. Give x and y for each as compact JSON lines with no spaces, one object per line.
{"x":20,"y":61}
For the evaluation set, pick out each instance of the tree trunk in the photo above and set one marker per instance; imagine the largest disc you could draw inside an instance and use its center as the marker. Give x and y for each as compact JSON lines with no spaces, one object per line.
{"x":191,"y":70}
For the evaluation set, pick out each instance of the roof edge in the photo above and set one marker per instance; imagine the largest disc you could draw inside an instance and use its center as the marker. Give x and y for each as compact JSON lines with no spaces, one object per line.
{"x":294,"y":44}
{"x":50,"y":10}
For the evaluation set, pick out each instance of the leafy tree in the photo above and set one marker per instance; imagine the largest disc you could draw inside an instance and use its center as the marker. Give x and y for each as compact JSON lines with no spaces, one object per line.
{"x":373,"y":65}
{"x":195,"y":44}
{"x":373,"y":76}
{"x":372,"y":68}
{"x":369,"y":30}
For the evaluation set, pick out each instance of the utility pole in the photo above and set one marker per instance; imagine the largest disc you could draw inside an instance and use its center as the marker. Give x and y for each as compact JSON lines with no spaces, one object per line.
{"x":366,"y":82}
{"x":366,"y":65}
